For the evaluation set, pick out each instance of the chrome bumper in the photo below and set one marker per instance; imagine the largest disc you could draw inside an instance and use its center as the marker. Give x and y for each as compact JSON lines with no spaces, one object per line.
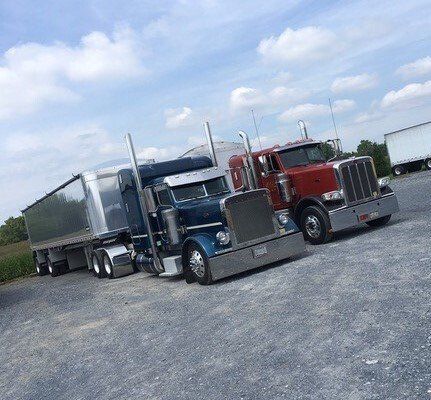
{"x":347,"y":217}
{"x":256,"y":256}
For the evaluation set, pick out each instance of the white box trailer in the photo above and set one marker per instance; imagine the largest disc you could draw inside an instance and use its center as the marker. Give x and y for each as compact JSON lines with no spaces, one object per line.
{"x":410,"y":148}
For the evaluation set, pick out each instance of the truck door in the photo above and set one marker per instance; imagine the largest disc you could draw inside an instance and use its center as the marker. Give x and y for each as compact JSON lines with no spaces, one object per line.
{"x":269,"y":167}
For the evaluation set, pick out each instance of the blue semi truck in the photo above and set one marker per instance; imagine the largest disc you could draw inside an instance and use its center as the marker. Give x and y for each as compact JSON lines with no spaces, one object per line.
{"x":169,"y":218}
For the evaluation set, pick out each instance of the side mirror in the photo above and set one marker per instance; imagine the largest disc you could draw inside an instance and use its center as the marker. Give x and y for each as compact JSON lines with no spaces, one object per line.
{"x":149,"y":199}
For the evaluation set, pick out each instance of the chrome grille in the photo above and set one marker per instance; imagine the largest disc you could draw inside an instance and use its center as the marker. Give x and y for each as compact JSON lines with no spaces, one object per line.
{"x":249,"y":216}
{"x":359,"y":181}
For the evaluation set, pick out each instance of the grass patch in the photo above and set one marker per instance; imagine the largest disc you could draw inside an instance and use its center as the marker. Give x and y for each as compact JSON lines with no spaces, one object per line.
{"x":15,"y":260}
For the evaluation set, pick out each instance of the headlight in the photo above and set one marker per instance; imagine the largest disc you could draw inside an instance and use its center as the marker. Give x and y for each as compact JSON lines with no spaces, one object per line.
{"x":223,"y":237}
{"x":383,"y":182}
{"x":283,"y":219}
{"x":333,"y":196}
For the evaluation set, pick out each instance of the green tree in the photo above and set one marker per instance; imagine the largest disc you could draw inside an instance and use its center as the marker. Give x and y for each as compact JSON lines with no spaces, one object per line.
{"x":13,"y":230}
{"x":379,"y":153}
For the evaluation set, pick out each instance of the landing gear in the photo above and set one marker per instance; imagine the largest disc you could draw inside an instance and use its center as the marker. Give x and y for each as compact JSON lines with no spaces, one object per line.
{"x":315,"y":225}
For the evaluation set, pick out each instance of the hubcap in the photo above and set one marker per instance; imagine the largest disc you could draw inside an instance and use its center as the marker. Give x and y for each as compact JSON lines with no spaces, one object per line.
{"x":312,"y":226}
{"x":96,"y":265}
{"x":50,"y":268}
{"x":197,"y":264}
{"x":397,"y":171}
{"x":38,"y":268}
{"x":107,"y":266}
{"x":429,"y":164}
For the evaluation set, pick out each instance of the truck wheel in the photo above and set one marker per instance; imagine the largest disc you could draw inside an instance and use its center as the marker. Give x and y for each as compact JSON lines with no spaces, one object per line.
{"x":197,"y":262}
{"x":53,"y":269}
{"x":315,"y":225}
{"x":428,"y":163}
{"x":98,"y":268}
{"x":40,"y":270}
{"x":379,"y":221}
{"x":399,"y":170}
{"x":107,"y":266}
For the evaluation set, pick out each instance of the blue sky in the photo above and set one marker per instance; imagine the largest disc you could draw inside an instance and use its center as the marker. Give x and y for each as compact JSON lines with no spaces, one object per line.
{"x":76,"y":75}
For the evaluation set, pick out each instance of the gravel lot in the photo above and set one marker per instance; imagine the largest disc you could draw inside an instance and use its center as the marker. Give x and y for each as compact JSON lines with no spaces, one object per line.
{"x":349,"y":320}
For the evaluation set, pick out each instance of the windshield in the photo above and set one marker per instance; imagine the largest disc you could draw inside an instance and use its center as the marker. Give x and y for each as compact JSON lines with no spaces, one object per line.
{"x":302,"y":156}
{"x":200,"y":189}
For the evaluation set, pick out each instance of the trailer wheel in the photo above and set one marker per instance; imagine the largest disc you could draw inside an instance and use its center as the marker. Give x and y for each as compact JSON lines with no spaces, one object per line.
{"x":379,"y":221}
{"x":197,"y":263}
{"x":399,"y":170}
{"x":40,"y":270}
{"x":315,"y":225}
{"x":107,"y":266}
{"x":53,"y":269}
{"x":98,"y":268}
{"x":428,"y":163}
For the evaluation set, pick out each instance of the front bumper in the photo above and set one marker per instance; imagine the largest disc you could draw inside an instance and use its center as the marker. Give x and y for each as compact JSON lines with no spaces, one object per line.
{"x":347,"y":217}
{"x":274,"y":250}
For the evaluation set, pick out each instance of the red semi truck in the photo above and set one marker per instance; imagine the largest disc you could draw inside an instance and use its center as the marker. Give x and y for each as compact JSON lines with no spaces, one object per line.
{"x":321,"y":196}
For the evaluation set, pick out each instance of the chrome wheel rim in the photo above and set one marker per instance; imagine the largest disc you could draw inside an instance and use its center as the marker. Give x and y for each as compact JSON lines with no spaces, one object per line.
{"x":397,"y":171}
{"x":429,"y":164}
{"x":50,"y":268}
{"x":197,"y":264}
{"x":38,"y":268}
{"x":107,"y":266}
{"x":96,"y":265}
{"x":312,"y":226}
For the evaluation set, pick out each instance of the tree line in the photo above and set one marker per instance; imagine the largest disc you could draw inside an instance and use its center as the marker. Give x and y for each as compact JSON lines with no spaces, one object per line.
{"x":377,"y":151}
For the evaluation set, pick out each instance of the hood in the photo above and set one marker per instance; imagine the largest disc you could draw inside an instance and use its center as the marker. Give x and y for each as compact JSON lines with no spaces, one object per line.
{"x":314,"y":179}
{"x":201,"y":211}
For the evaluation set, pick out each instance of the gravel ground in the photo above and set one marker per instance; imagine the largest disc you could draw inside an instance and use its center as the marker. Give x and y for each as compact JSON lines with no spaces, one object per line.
{"x":349,"y":320}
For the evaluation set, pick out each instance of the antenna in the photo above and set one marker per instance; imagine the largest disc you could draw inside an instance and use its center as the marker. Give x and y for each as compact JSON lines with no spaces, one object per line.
{"x":256,"y":128}
{"x":333,"y":119}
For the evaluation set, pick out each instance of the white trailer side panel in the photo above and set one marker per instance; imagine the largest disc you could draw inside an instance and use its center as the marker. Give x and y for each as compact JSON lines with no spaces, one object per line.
{"x":410,"y":144}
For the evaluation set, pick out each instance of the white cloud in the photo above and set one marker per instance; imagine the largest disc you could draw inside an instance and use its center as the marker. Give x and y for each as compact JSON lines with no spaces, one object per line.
{"x":245,"y":98}
{"x":179,"y":117}
{"x":309,"y":110}
{"x":419,"y":67}
{"x":354,"y":83}
{"x":368,"y":117}
{"x":32,"y":75}
{"x":302,"y":46}
{"x":409,"y":96}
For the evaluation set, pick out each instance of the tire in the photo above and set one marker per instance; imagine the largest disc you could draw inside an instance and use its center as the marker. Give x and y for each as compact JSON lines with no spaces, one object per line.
{"x":198,"y":265}
{"x":428,"y":163}
{"x":40,"y":270}
{"x":107,"y":266}
{"x":98,"y":268}
{"x":54,"y":270}
{"x":399,"y":170}
{"x":315,"y":225}
{"x":379,"y":221}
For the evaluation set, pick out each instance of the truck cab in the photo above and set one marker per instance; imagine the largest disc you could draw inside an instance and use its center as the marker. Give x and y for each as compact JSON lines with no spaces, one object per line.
{"x":321,"y":196}
{"x":200,"y":228}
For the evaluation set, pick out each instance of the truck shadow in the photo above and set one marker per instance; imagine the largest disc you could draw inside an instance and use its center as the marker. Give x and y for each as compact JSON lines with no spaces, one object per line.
{"x":350,"y":233}
{"x":259,"y":270}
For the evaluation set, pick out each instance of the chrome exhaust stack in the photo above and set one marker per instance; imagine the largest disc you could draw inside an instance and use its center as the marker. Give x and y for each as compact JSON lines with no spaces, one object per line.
{"x":210,"y":144}
{"x":157,"y":263}
{"x":249,"y":160}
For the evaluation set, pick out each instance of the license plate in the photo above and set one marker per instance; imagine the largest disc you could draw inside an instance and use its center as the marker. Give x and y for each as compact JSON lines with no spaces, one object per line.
{"x":259,"y":251}
{"x":367,"y":217}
